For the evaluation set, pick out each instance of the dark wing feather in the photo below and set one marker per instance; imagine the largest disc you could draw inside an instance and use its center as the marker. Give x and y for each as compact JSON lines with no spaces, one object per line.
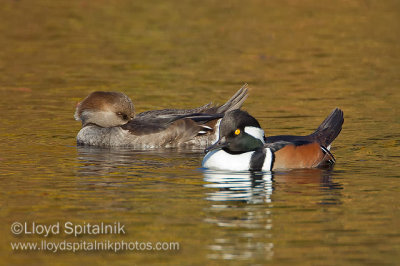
{"x":158,"y":124}
{"x":166,"y":115}
{"x":276,"y":143}
{"x":166,"y":119}
{"x":140,"y":127}
{"x":288,"y":138}
{"x":176,"y":133}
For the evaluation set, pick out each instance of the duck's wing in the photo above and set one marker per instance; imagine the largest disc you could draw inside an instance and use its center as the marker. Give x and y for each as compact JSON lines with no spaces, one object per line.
{"x":165,"y":117}
{"x":170,"y":114}
{"x":276,"y":143}
{"x":141,"y":127}
{"x":193,"y":123}
{"x":169,"y":135}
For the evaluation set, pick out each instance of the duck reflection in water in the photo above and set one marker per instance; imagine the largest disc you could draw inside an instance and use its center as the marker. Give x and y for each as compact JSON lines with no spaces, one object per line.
{"x":98,"y":161}
{"x":250,"y":187}
{"x":257,"y":187}
{"x":243,"y":205}
{"x":103,"y":161}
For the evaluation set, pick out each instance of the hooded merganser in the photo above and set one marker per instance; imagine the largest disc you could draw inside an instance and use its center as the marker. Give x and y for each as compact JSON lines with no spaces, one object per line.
{"x":242,"y":145}
{"x":108,"y":120}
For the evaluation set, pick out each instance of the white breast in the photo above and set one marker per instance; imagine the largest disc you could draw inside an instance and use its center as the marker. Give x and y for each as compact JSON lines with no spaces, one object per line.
{"x":221,"y":160}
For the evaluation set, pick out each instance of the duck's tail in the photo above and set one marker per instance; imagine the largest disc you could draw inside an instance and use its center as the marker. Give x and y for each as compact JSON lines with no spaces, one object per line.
{"x":329,"y":128}
{"x":235,"y":102}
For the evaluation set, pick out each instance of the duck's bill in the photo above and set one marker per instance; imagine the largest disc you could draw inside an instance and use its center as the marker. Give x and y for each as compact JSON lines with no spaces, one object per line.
{"x":220,"y":144}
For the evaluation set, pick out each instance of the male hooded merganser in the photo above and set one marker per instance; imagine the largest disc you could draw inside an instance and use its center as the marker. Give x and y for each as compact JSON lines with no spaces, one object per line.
{"x":108,"y":120}
{"x":242,"y":145}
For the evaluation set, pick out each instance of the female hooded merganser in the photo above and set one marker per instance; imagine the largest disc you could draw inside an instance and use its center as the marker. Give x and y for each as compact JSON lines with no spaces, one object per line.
{"x":108,"y":120}
{"x":242,"y":145}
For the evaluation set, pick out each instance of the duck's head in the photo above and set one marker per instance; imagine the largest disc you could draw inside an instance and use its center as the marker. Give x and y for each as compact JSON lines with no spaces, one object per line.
{"x":105,"y":109}
{"x":239,"y":132}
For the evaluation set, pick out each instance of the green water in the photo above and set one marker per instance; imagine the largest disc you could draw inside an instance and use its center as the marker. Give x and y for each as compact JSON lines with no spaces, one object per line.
{"x":301,"y":60}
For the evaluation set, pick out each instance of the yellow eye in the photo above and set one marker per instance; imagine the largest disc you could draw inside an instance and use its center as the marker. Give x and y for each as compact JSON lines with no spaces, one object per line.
{"x":237,"y":131}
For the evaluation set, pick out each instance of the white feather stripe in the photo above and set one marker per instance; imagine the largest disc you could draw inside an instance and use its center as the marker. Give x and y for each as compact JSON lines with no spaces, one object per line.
{"x":216,"y":134}
{"x":269,"y":156}
{"x":206,"y":127}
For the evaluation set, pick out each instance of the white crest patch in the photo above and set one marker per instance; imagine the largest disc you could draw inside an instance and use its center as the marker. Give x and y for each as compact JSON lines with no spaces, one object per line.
{"x":256,"y":132}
